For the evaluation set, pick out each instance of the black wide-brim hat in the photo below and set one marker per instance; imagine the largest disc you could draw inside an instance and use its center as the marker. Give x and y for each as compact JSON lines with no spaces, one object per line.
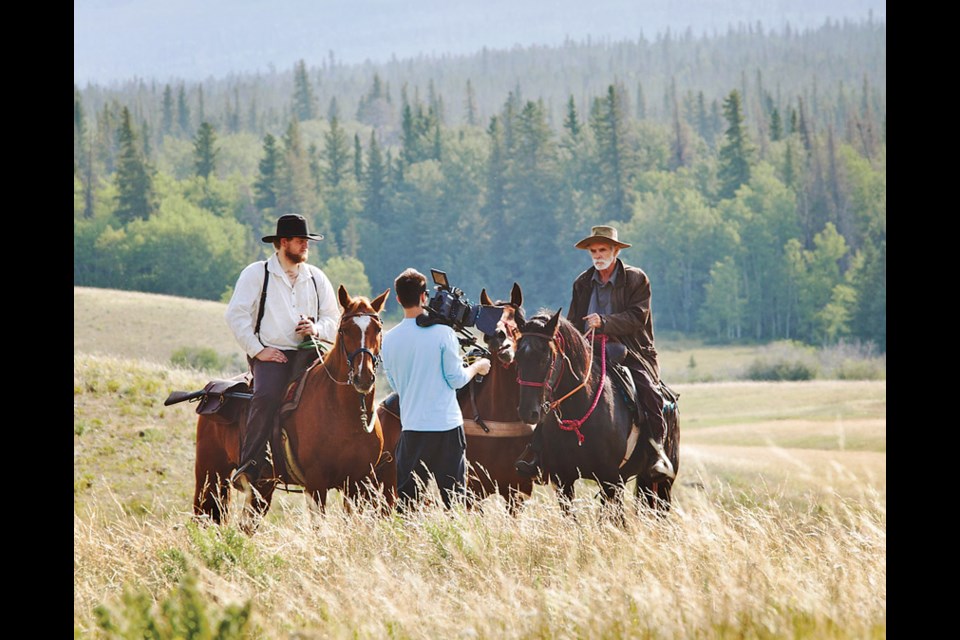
{"x":292,"y":225}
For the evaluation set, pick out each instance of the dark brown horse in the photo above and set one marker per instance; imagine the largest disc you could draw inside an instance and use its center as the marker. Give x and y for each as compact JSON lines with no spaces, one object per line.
{"x":492,"y":403}
{"x":589,"y":430}
{"x":332,"y":439}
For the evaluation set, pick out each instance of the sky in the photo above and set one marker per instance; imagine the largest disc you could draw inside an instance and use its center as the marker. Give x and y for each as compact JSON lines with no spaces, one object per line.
{"x":117,"y":40}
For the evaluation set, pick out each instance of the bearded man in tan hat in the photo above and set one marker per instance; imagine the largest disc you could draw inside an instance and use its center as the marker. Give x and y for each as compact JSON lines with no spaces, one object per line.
{"x":613,"y":298}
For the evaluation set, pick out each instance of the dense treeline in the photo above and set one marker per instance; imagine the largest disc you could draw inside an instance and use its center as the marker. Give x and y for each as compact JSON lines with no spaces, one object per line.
{"x":748,"y":170}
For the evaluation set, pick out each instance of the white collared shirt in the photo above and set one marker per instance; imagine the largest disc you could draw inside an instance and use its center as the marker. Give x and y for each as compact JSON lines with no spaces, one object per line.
{"x":284,"y":305}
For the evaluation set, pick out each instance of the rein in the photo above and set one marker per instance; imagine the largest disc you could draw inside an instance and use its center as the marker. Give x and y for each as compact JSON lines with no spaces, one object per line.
{"x":571,"y":425}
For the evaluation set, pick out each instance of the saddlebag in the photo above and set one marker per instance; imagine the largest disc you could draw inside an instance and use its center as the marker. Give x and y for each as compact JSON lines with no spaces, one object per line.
{"x":224,"y":400}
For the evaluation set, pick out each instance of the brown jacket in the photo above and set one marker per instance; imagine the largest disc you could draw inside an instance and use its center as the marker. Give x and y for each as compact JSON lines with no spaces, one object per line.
{"x":631,"y":323}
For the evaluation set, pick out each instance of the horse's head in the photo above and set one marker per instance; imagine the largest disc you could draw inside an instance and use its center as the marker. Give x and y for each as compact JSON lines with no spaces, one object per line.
{"x":539,"y":364}
{"x":503,"y":343}
{"x":359,"y":337}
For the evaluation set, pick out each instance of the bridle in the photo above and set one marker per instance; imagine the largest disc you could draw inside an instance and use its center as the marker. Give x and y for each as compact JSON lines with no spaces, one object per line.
{"x":364,"y":419}
{"x":555,"y":373}
{"x":362,"y":350}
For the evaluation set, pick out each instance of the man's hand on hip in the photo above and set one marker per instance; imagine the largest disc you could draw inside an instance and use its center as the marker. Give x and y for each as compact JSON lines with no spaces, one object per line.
{"x":269,"y":354}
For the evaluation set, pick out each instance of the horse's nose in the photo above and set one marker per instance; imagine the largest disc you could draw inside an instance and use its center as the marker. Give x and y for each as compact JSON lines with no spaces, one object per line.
{"x":531,"y":416}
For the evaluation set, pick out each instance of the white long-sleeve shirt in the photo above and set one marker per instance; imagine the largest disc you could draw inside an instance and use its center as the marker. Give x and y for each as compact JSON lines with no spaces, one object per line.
{"x":284,"y":305}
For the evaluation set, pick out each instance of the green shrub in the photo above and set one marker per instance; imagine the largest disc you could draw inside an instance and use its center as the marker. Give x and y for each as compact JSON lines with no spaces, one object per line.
{"x":853,"y":361}
{"x":761,"y":369}
{"x":205,"y":359}
{"x":223,"y":547}
{"x":183,"y":614}
{"x":784,"y":361}
{"x":861,"y":370}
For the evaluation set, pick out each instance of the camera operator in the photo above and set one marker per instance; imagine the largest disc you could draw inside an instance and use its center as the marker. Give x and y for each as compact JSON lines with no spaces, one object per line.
{"x":424,"y":366}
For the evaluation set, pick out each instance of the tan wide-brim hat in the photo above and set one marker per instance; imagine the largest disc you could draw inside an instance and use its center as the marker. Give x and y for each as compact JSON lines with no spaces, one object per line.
{"x":602,"y":233}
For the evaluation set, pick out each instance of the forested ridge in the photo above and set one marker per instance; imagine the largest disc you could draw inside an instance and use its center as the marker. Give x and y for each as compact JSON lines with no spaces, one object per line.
{"x":747,"y":169}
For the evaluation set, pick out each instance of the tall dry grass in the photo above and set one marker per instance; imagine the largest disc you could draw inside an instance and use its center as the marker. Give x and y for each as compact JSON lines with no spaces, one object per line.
{"x":720,"y":566}
{"x":778,"y":530}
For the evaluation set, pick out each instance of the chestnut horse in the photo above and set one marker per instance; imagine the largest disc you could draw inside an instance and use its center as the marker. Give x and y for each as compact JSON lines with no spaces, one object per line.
{"x":333,"y":435}
{"x":491,"y":403}
{"x":589,"y":430}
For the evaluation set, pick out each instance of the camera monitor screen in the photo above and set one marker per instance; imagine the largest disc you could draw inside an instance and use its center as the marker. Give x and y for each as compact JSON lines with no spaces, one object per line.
{"x":440,"y":278}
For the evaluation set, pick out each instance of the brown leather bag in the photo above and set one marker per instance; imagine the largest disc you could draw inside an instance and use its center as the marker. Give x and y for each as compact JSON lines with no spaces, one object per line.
{"x":224,"y":400}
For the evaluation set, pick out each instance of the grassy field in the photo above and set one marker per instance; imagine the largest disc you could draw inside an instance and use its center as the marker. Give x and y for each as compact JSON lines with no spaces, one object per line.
{"x":779,"y":526}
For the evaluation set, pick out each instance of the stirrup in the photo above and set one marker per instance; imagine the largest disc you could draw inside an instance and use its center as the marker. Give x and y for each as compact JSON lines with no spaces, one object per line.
{"x":527,"y":469}
{"x":662,"y":468}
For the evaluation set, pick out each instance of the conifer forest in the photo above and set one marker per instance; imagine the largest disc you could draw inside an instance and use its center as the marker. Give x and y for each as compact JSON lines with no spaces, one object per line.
{"x":746,"y":168}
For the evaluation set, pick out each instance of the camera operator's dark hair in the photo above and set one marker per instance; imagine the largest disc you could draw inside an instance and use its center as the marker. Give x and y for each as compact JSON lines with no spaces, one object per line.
{"x":409,"y":285}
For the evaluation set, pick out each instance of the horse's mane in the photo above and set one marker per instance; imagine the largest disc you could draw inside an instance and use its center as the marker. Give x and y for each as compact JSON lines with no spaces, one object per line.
{"x":574,"y":343}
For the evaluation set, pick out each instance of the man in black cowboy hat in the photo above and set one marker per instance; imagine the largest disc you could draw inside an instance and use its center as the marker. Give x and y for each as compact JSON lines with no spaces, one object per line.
{"x":613,"y":298}
{"x":277,"y":304}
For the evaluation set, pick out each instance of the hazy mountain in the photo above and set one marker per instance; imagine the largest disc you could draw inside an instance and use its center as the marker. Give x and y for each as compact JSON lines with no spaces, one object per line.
{"x":120,"y":39}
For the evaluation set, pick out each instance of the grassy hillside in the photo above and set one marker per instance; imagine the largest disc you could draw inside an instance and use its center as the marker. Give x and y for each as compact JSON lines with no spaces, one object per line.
{"x":130,"y":324}
{"x":147,"y":326}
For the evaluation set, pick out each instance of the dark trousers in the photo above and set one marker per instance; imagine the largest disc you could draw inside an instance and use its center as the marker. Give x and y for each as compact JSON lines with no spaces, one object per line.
{"x":442,"y":454}
{"x":650,"y":401}
{"x":269,"y":383}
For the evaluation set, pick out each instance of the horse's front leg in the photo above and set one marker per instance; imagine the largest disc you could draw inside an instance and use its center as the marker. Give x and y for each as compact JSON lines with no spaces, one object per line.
{"x":565,"y":494}
{"x":612,"y":498}
{"x":254,"y":503}
{"x":316,"y":500}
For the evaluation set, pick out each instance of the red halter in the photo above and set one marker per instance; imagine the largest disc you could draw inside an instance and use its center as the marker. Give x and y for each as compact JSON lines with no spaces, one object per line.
{"x":569,"y":425}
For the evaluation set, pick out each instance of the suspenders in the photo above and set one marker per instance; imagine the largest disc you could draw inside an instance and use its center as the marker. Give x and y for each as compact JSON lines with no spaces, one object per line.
{"x":263,"y":299}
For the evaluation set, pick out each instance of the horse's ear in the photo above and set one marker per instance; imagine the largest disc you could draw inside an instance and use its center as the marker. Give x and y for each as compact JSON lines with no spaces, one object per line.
{"x":551,"y":327}
{"x":516,"y":295}
{"x":380,"y":300}
{"x":485,"y":299}
{"x":344,"y":297}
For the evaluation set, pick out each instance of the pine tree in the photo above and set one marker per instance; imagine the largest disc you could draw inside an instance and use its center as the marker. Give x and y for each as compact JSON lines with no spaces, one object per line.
{"x":336,"y":152}
{"x":294,"y":193}
{"x":183,"y":113}
{"x":641,"y":103}
{"x":776,"y":125}
{"x":375,"y":108}
{"x":734,"y":168}
{"x":571,"y":122}
{"x":471,"y":117}
{"x":266,"y":184}
{"x":703,"y":120}
{"x":333,"y":110}
{"x":374,"y":182}
{"x":145,"y":129}
{"x":79,"y":132}
{"x":304,"y":104}
{"x":613,"y":155}
{"x":204,"y":151}
{"x":167,"y":110}
{"x":357,"y":158}
{"x":135,"y":197}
